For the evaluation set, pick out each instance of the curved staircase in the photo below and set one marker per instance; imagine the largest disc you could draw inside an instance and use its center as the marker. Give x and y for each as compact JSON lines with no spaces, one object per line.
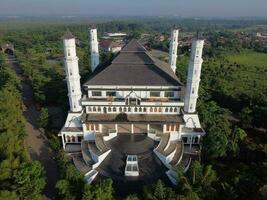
{"x":91,"y":156}
{"x":173,"y":155}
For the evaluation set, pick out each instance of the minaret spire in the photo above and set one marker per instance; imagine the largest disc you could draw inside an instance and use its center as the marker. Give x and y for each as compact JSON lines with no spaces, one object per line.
{"x":173,"y":49}
{"x":94,"y":48}
{"x":72,"y":72}
{"x":193,"y":75}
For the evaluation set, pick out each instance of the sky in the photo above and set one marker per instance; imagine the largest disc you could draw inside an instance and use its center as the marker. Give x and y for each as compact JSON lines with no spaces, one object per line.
{"x":183,"y":8}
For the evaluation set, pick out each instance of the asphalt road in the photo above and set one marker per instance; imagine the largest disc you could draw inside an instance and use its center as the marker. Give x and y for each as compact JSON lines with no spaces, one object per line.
{"x":36,"y":142}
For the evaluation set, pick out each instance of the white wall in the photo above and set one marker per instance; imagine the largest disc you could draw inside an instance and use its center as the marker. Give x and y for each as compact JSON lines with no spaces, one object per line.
{"x":72,"y":75}
{"x":193,"y":76}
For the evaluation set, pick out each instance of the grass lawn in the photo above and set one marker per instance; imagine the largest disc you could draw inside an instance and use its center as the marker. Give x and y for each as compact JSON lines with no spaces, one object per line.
{"x":249,"y":58}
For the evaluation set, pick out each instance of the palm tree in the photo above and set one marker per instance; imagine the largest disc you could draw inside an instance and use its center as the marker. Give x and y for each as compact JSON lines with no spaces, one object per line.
{"x":197,"y":182}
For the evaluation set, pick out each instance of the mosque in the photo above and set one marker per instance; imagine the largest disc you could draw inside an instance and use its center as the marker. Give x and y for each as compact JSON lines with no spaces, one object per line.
{"x":132,"y":118}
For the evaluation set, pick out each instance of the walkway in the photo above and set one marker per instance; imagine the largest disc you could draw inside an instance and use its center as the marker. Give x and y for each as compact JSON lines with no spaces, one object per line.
{"x":36,"y":141}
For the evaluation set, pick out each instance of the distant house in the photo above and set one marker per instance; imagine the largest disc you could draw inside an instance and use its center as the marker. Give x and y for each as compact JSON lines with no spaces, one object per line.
{"x":109,"y":45}
{"x":117,"y":34}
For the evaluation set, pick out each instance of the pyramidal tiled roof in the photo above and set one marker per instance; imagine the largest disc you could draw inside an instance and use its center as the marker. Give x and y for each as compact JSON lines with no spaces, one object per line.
{"x":68,"y":35}
{"x":134,"y":66}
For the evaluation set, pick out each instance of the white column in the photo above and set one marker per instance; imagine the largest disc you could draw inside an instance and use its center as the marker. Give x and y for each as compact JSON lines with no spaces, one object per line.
{"x":148,"y":127}
{"x":116,"y":127}
{"x":164,"y":128}
{"x":72,"y":73}
{"x":63,"y":142}
{"x":193,"y":76}
{"x":132,"y":128}
{"x":94,"y":49}
{"x":173,"y":49}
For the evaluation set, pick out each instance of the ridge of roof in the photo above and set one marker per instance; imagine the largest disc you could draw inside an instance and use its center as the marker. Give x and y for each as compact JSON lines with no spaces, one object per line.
{"x":130,"y":61}
{"x":133,"y":46}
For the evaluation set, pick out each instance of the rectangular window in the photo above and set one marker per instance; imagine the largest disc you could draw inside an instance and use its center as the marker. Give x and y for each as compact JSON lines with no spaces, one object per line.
{"x":168,"y":127}
{"x":97,"y":127}
{"x":169,"y":94}
{"x":111,"y":94}
{"x":154,"y":94}
{"x":171,"y":127}
{"x":96,"y":93}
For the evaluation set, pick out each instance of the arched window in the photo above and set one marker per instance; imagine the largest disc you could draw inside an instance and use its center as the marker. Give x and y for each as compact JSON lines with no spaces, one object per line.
{"x":94,"y":109}
{"x":144,"y":110}
{"x":135,"y":109}
{"x":120,"y":109}
{"x":73,"y":138}
{"x":114,"y":109}
{"x":168,"y":127}
{"x":160,"y":110}
{"x":125,"y":109}
{"x":151,"y":109}
{"x":99,"y":109}
{"x":155,"y":109}
{"x":109,"y":109}
{"x":175,"y":110}
{"x":68,"y":138}
{"x":129,"y":109}
{"x":171,"y":109}
{"x":140,"y":109}
{"x":89,"y":109}
{"x":166,"y":109}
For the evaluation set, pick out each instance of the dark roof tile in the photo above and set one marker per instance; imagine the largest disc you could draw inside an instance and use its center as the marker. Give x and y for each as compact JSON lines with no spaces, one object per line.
{"x":68,"y":35}
{"x":134,"y":66}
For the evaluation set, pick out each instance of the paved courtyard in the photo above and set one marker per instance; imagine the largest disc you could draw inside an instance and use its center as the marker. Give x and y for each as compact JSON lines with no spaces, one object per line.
{"x":150,"y":167}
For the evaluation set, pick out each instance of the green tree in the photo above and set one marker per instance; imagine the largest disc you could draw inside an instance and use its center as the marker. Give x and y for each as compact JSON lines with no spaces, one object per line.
{"x":238,"y":135}
{"x":43,"y":118}
{"x":217,"y":126}
{"x":198,"y":182}
{"x":72,"y":184}
{"x":135,"y":35}
{"x":30,"y":179}
{"x":101,"y":191}
{"x":246,"y":117}
{"x":132,"y":197}
{"x":158,"y":191}
{"x":5,"y":194}
{"x":64,"y":192}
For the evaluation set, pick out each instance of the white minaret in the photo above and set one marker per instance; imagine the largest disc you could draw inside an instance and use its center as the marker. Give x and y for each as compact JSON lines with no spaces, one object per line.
{"x":72,"y":72}
{"x":173,"y":49}
{"x":193,"y":76}
{"x":94,"y":49}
